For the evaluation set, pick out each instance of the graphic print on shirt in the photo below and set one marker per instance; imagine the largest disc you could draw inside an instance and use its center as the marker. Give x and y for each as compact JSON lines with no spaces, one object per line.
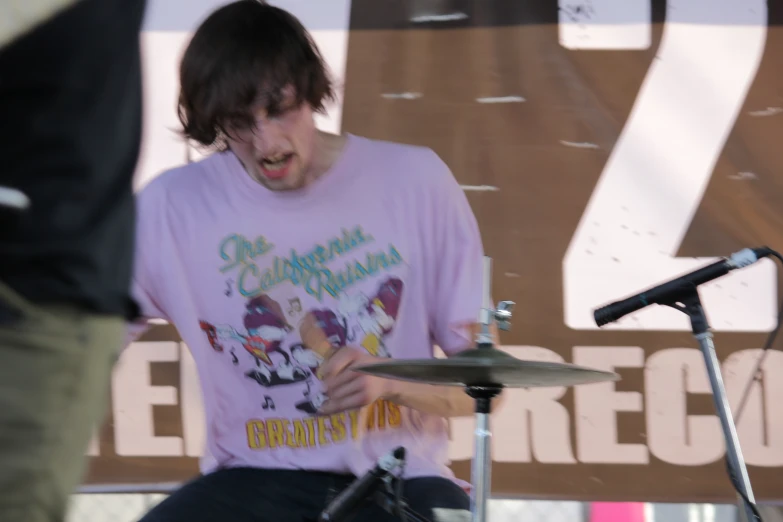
{"x":265,"y":328}
{"x":360,"y":321}
{"x":298,"y":309}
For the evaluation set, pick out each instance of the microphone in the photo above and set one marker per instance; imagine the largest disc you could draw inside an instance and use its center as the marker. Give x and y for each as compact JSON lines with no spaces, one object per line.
{"x":671,"y":291}
{"x":361,"y":488}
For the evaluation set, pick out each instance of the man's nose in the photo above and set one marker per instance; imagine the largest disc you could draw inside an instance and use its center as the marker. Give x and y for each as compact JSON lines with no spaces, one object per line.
{"x":267,"y":134}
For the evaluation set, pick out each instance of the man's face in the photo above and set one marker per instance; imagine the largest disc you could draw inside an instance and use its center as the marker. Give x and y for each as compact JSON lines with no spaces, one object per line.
{"x":278,"y":151}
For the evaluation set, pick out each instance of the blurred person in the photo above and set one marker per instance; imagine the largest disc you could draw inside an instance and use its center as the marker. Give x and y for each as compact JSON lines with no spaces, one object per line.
{"x":289,"y":256}
{"x":70,"y":100}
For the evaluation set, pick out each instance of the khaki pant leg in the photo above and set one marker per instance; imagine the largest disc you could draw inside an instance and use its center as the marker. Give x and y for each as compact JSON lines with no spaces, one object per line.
{"x":55,"y":367}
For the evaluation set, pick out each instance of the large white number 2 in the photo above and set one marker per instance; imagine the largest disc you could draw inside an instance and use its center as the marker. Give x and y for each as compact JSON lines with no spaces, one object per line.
{"x":656,"y":175}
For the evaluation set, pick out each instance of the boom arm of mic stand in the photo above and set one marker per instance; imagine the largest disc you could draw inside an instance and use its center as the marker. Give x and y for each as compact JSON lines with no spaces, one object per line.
{"x":690,"y":304}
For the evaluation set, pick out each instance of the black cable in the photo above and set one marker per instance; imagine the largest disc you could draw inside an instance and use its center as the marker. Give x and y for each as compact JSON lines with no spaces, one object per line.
{"x":738,"y":488}
{"x":755,"y":377}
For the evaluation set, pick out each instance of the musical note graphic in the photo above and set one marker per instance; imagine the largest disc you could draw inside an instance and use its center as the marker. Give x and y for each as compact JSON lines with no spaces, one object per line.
{"x":228,"y":290}
{"x":234,"y":358}
{"x":268,"y":403}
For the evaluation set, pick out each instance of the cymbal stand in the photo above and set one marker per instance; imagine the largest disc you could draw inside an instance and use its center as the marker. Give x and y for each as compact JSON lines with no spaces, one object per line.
{"x":481,"y":472}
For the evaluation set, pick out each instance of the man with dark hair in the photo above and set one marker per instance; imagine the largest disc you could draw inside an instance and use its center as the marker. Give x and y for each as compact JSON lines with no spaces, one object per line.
{"x":70,"y":99}
{"x":286,"y":258}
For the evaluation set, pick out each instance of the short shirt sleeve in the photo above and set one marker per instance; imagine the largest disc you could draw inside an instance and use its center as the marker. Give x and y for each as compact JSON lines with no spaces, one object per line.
{"x":145,"y":287}
{"x":455,"y":263}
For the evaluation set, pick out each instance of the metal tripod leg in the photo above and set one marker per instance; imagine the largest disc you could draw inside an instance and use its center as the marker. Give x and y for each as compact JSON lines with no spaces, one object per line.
{"x":733,"y":451}
{"x":690,"y":304}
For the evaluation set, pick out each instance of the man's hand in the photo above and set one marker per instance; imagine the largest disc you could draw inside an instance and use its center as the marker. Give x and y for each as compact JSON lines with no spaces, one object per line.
{"x":346,"y":389}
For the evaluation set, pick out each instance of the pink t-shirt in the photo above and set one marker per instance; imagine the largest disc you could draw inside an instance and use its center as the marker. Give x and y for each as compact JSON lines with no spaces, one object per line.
{"x":382,"y":252}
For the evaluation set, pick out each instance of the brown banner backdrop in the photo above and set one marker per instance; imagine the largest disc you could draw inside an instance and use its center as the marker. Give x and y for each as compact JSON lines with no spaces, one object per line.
{"x":528,"y":126}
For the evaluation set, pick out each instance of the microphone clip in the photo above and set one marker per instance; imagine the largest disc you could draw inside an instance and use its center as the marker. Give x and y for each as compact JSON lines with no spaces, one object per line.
{"x":393,"y":461}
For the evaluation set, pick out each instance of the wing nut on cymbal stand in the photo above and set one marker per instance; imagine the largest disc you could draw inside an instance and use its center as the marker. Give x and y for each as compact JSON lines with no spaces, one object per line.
{"x":489,"y":315}
{"x":503,"y":315}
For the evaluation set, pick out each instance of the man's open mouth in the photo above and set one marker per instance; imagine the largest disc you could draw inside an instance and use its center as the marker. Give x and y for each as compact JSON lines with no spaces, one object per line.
{"x":276,"y":163}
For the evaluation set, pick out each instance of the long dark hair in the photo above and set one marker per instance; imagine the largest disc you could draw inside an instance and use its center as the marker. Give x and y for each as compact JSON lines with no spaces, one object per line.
{"x":245,"y":53}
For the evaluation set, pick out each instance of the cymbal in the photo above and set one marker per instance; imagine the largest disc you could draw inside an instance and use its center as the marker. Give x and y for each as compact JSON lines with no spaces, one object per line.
{"x":486,"y":367}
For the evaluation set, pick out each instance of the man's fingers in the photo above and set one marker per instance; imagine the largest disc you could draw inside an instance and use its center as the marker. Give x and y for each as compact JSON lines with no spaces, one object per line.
{"x":345,"y":388}
{"x":339,"y":379}
{"x":349,"y":402}
{"x":341,"y":390}
{"x":338,"y":362}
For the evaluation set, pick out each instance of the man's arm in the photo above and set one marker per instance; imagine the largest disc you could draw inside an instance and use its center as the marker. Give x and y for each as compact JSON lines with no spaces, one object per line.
{"x":347,"y":389}
{"x":454,"y":293}
{"x":454,"y":287}
{"x":445,"y":401}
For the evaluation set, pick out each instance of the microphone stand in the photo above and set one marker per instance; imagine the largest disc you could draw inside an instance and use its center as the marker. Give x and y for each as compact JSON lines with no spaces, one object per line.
{"x":384,"y":495}
{"x":389,"y":502}
{"x":687,"y":301}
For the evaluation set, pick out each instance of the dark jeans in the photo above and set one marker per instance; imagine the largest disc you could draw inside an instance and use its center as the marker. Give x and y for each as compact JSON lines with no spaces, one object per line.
{"x":258,"y":495}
